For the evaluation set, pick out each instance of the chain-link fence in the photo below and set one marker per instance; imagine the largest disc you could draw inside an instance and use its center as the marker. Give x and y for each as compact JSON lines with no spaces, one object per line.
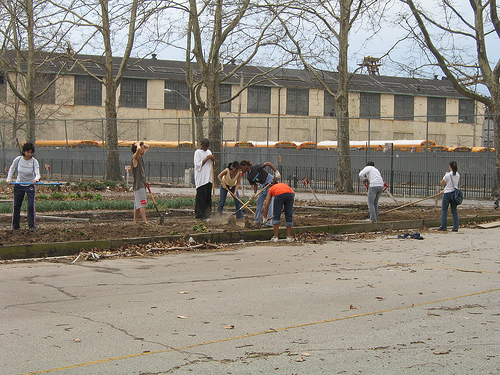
{"x":450,"y":130}
{"x":409,"y":173}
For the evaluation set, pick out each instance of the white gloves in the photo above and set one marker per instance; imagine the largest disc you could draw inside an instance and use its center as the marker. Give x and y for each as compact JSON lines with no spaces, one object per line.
{"x":277,"y":175}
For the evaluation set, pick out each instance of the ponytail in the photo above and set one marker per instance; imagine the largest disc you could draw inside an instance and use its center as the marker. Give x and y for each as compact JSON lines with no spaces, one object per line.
{"x":454,"y":167}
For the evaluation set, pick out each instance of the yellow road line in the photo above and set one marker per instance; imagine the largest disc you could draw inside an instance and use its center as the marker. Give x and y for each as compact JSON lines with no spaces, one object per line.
{"x":259,"y":333}
{"x":402,"y":264}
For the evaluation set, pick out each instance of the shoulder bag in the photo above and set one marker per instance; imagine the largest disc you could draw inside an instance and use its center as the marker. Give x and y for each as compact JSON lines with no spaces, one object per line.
{"x":456,"y":196}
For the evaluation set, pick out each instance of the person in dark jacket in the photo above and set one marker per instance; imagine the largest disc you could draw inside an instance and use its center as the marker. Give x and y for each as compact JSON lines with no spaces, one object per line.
{"x":256,"y":174}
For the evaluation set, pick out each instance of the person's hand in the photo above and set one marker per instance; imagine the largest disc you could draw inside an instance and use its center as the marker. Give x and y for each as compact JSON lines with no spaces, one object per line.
{"x":34,"y":182}
{"x":8,"y":182}
{"x":277,"y":175}
{"x":441,"y":192}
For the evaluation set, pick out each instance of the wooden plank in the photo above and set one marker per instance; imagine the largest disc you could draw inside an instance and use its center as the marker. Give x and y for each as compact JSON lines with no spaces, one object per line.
{"x":493,"y":224}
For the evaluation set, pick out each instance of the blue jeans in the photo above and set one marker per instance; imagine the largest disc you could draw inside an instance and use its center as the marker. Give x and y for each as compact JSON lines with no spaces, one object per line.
{"x":261,"y":199}
{"x":444,"y":212}
{"x":19,"y":192}
{"x":222,"y":202}
{"x":281,"y":200}
{"x":374,"y":194}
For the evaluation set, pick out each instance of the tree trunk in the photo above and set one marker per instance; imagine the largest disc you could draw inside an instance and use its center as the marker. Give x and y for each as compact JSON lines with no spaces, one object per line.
{"x":214,"y":121}
{"x":113,"y":156}
{"x":30,"y":76}
{"x":344,"y":179}
{"x":496,"y":120}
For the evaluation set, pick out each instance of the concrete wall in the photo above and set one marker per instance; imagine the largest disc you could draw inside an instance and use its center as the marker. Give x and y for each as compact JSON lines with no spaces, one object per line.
{"x":156,"y":123}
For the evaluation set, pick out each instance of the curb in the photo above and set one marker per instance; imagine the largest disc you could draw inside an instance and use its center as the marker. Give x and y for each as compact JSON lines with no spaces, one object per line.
{"x":42,"y":250}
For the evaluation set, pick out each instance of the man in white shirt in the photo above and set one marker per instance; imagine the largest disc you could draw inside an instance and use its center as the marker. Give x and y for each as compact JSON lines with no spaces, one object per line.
{"x":203,"y":180}
{"x":372,"y":177}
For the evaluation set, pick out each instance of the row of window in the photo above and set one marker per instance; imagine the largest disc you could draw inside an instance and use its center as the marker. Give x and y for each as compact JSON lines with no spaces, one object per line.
{"x":133,"y":94}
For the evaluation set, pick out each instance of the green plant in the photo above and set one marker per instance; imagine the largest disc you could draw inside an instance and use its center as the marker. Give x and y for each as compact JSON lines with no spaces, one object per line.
{"x":56,"y":195}
{"x":174,"y":233}
{"x":42,"y":196}
{"x":200,"y":228}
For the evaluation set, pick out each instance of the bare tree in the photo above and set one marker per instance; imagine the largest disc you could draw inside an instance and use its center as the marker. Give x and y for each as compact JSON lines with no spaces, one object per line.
{"x":312,"y":25}
{"x":108,"y":26}
{"x":459,"y":39}
{"x":221,"y":32}
{"x":33,"y":36}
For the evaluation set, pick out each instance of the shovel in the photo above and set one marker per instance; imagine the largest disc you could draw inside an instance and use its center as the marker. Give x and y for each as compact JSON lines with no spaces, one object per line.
{"x":162,"y":219}
{"x":236,"y":197}
{"x":254,"y":196}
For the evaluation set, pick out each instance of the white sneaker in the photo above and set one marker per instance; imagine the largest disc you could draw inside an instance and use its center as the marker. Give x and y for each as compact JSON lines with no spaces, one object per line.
{"x":289,"y":239}
{"x":274,"y":239}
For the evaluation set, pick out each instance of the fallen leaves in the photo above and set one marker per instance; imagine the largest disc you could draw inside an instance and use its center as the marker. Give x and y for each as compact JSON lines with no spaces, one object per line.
{"x":442,"y":352}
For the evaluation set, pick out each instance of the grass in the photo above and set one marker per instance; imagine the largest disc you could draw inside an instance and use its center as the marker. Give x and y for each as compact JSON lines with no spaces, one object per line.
{"x":94,"y":202}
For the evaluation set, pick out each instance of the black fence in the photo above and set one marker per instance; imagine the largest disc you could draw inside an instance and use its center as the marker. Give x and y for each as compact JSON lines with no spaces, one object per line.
{"x":409,"y":174}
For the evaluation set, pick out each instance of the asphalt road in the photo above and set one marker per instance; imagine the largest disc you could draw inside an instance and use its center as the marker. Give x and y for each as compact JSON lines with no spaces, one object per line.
{"x":377,"y":306}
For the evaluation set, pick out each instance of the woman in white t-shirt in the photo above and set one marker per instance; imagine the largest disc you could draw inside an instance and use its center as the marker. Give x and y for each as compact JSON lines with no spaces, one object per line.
{"x":450,"y":182}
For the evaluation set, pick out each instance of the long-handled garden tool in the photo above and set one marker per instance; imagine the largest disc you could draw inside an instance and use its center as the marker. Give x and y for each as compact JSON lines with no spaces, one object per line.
{"x":386,"y":189}
{"x":213,"y":186}
{"x":162,"y":218}
{"x":409,"y":204}
{"x":236,"y":197}
{"x":254,"y":196}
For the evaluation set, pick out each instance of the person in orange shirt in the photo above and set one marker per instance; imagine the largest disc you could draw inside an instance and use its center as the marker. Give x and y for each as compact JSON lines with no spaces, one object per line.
{"x":283,"y":201}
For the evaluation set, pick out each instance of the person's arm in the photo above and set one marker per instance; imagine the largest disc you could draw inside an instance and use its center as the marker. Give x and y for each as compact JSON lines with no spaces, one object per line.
{"x":36,"y":166}
{"x":444,"y":182}
{"x":238,"y":182}
{"x":224,"y":172}
{"x":12,"y":169}
{"x":266,"y":204}
{"x":276,"y":172}
{"x":209,"y":157}
{"x":135,"y":158}
{"x":363,"y":174}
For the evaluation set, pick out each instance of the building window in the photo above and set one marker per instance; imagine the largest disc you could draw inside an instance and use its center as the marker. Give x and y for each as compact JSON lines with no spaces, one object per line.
{"x":3,"y":89}
{"x":45,"y":89}
{"x":436,"y":109}
{"x":369,"y":105}
{"x":176,"y":95}
{"x":88,"y":91}
{"x":133,"y":93}
{"x":297,"y":102}
{"x":259,"y":99}
{"x":403,"y":107}
{"x":330,"y":107}
{"x":224,"y":94}
{"x":466,"y":112}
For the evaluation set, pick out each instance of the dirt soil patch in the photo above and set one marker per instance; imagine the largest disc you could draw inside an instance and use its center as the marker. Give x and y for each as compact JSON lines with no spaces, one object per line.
{"x":96,"y":225}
